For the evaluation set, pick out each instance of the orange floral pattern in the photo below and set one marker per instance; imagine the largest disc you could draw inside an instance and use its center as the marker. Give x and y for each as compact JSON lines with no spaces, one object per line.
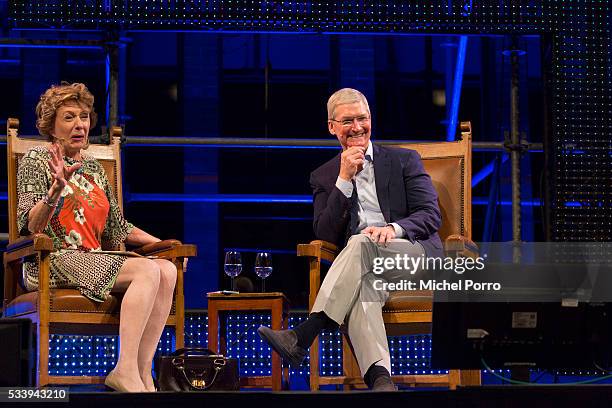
{"x":87,"y":218}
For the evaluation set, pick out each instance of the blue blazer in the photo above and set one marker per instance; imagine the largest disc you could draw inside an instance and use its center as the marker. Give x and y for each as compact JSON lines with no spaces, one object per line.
{"x":405,"y":194}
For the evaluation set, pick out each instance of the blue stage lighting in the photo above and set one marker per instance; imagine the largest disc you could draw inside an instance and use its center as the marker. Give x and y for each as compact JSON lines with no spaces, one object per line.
{"x":458,"y":80}
{"x":96,"y":355}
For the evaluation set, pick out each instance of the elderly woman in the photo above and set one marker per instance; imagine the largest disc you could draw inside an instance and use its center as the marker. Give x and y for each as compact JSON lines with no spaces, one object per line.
{"x":64,"y":192}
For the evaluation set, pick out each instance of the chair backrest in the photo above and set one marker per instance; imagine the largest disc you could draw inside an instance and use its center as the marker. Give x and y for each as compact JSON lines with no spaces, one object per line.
{"x":450,"y":166}
{"x":108,"y":155}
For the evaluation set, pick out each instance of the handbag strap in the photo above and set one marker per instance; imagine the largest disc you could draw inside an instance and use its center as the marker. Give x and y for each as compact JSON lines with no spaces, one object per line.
{"x":193,"y":350}
{"x":218,"y":365}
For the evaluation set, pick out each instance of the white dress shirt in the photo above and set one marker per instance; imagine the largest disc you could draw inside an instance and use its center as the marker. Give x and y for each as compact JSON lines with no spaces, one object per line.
{"x":369,"y":211}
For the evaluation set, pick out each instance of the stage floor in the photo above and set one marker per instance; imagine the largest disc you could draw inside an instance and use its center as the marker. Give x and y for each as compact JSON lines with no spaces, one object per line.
{"x":485,"y":396}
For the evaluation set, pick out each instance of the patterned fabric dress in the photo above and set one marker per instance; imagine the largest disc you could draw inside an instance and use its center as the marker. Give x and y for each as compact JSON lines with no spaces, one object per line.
{"x":87,"y":218}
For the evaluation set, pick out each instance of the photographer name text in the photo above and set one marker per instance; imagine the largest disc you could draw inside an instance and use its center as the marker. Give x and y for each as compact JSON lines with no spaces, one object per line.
{"x":437,"y":285}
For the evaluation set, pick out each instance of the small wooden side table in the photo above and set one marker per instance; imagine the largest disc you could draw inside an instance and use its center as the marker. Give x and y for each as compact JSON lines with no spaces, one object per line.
{"x":278,"y":305}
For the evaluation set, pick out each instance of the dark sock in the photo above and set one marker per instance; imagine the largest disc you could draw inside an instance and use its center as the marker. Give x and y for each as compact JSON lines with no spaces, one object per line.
{"x":311,"y":327}
{"x":373,"y":373}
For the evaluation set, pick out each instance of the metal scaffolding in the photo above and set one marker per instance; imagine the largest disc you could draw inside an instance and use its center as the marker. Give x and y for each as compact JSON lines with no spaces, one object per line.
{"x":113,"y":43}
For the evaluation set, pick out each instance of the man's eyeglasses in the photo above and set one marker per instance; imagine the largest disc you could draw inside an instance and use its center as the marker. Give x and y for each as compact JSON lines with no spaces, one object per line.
{"x":361,"y":120}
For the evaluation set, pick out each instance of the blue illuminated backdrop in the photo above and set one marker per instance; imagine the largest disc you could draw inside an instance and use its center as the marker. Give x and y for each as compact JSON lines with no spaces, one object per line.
{"x":97,"y":355}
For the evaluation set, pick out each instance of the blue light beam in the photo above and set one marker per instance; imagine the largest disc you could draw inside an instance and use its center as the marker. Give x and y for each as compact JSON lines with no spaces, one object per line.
{"x":452,"y":120}
{"x":486,"y":171}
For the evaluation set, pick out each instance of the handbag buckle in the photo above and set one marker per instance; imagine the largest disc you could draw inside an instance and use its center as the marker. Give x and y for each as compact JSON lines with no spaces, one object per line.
{"x":198,"y":383}
{"x":178,"y":363}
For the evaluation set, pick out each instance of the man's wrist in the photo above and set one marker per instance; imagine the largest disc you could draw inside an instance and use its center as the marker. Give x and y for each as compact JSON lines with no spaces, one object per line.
{"x":345,"y":177}
{"x":399,"y":231}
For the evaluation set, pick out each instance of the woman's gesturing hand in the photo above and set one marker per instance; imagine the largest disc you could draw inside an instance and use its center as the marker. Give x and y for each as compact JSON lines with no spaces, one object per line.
{"x":59,"y":171}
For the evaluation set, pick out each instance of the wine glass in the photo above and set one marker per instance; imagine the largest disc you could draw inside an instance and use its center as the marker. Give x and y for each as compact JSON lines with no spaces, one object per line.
{"x":233,"y":265}
{"x":263,"y":267}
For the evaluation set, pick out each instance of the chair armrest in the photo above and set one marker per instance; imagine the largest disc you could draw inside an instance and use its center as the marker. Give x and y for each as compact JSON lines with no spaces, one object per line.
{"x":458,"y":245}
{"x":168,"y":248}
{"x":319,"y":249}
{"x":315,"y":251}
{"x":27,"y":246}
{"x":31,"y":245}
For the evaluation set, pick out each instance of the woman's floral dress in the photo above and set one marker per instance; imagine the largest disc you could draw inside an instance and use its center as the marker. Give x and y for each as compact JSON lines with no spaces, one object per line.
{"x":87,"y":218}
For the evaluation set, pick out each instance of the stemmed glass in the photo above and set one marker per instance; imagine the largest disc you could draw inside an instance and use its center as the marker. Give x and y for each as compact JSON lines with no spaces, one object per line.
{"x":263,"y":267}
{"x":233,"y":265}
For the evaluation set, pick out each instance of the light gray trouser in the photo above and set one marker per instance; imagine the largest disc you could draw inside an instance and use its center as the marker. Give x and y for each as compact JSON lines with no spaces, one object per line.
{"x":343,"y":299}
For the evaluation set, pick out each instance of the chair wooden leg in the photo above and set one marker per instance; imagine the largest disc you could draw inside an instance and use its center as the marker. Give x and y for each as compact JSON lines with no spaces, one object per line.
{"x":213,"y":327}
{"x":286,"y":376}
{"x":463,"y":378}
{"x":43,"y":355}
{"x":44,"y":310}
{"x":315,"y":282}
{"x":314,"y":365}
{"x":470,"y":377}
{"x":277,"y":312}
{"x":179,"y":306}
{"x":350,"y":367}
{"x":454,"y":379}
{"x":347,"y":363}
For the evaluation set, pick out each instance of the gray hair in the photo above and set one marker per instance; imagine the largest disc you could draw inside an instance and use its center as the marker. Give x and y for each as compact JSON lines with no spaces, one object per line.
{"x":342,"y":97}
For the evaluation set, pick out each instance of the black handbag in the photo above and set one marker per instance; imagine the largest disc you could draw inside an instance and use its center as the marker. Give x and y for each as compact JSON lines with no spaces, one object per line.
{"x":197,"y":369}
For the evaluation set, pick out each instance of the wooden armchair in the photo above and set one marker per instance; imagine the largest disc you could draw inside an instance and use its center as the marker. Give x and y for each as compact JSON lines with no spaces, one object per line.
{"x":450,"y":166}
{"x":66,"y":311}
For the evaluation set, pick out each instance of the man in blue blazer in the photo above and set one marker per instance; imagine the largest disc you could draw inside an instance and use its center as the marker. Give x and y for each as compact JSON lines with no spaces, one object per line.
{"x":374,"y":202}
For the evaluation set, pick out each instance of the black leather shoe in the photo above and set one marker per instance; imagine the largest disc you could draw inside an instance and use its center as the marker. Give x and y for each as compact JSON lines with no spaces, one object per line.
{"x":384,"y":384}
{"x":284,"y":342}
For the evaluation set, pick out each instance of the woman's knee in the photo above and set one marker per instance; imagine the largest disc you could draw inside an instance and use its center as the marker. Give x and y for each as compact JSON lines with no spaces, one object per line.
{"x":146,"y":272}
{"x":168,"y":272}
{"x":141,"y":271}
